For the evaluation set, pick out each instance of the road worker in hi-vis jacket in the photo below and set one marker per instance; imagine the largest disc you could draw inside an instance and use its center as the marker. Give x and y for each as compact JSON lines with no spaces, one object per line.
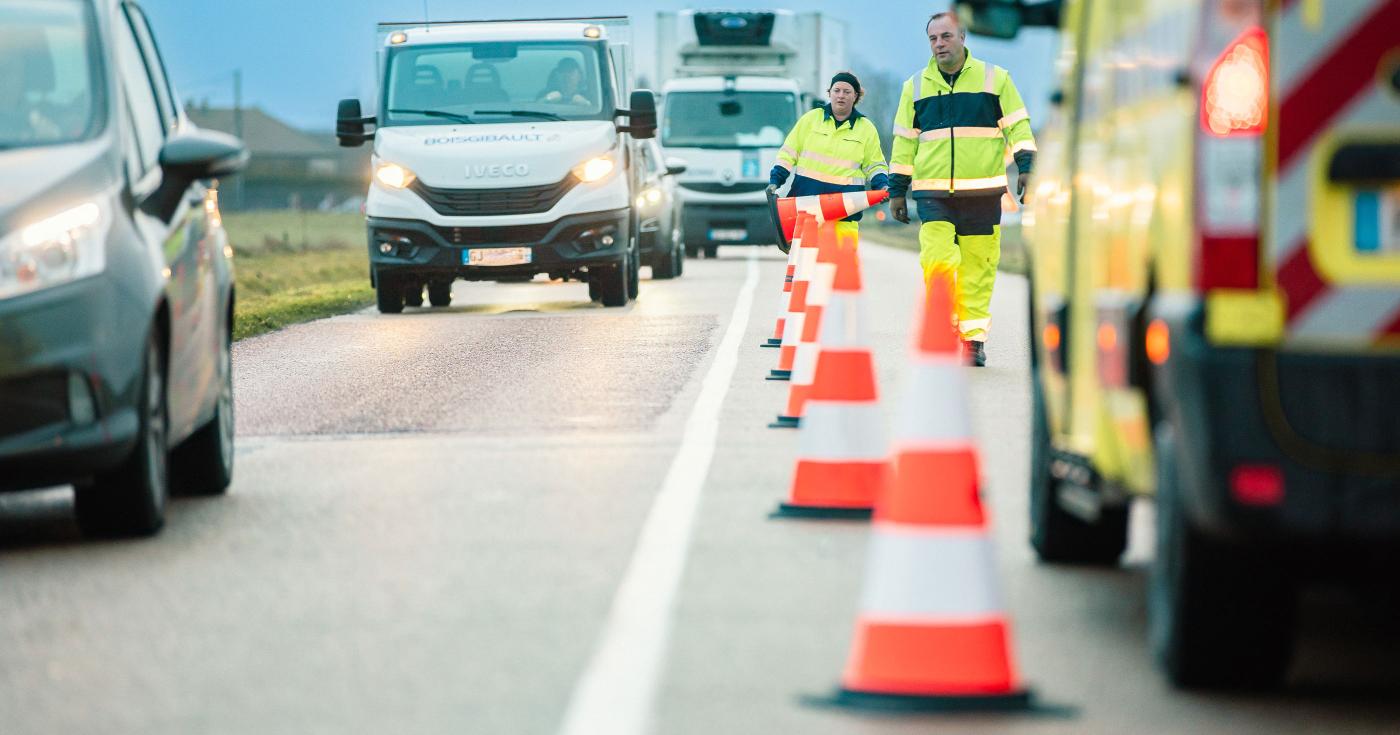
{"x":833,"y":149}
{"x":956,"y":120}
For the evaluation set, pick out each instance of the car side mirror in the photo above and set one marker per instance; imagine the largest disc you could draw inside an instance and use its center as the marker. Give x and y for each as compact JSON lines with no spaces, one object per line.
{"x":351,"y":124}
{"x":198,"y":155}
{"x":676,"y":166}
{"x":641,"y":115}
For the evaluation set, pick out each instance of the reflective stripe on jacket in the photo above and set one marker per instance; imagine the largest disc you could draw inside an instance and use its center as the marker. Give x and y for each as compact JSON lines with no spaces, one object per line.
{"x":825,"y":157}
{"x":952,"y":140}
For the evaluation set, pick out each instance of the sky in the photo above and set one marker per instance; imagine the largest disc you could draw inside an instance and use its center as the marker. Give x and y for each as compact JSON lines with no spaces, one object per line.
{"x":299,"y":57}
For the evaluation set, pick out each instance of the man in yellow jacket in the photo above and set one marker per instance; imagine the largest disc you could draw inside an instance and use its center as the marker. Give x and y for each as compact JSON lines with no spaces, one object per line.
{"x":957,"y":117}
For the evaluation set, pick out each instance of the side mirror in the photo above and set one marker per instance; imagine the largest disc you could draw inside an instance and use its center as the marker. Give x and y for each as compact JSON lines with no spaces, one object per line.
{"x":641,"y":115}
{"x":193,"y":156}
{"x":676,"y":166}
{"x":1006,"y":18}
{"x":350,"y":124}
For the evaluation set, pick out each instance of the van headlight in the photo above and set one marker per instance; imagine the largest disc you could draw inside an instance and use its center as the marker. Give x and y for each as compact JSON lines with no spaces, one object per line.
{"x":649,"y":199}
{"x":595,"y":169}
{"x":393,"y":176}
{"x":51,"y":252}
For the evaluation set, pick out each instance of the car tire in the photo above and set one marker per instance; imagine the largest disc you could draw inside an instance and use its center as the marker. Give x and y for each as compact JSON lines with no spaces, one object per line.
{"x":1056,"y":535}
{"x":389,"y":294}
{"x":131,"y":500}
{"x":692,"y":251}
{"x":634,"y":272}
{"x":711,"y":252}
{"x":203,"y":465}
{"x":440,"y":293}
{"x":413,"y":295}
{"x":1220,"y":616}
{"x":667,"y":265}
{"x":613,"y":281}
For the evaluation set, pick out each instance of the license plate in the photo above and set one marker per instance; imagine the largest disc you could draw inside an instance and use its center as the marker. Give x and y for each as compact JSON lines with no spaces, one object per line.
{"x":497,"y":256}
{"x":729,"y":235}
{"x":1377,"y":217}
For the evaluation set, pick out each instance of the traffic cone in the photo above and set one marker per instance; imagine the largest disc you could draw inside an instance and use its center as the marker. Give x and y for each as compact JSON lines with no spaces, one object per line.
{"x":832,"y":207}
{"x":797,"y":303}
{"x":933,"y":632}
{"x":843,"y":457}
{"x":803,"y":221}
{"x":804,"y":361}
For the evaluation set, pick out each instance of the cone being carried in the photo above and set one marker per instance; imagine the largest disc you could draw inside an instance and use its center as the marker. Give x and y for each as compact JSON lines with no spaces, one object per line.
{"x":832,"y":207}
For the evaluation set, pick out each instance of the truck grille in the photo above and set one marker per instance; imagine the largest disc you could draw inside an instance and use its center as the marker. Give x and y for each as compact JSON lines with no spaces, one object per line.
{"x":492,"y":202}
{"x":713,"y":188}
{"x":514,"y":235}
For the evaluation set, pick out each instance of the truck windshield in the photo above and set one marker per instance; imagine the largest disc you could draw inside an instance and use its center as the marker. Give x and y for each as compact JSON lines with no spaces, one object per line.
{"x":733,"y":120}
{"x":48,"y":90}
{"x":497,"y":82}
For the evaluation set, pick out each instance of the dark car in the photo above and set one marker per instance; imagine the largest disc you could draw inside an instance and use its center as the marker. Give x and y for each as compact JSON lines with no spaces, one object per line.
{"x":116,"y":295}
{"x":659,"y":211}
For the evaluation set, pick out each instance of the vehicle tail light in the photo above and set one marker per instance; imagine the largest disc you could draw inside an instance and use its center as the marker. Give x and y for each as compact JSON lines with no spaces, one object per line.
{"x":1257,"y":485}
{"x":1235,"y":96}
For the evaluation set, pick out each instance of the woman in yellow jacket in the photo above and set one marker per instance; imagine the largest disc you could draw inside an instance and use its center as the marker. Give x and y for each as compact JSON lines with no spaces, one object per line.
{"x":833,"y":149}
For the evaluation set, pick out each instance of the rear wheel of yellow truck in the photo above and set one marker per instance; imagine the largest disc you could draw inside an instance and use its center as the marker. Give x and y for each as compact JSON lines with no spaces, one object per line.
{"x":1056,"y":535}
{"x":1220,"y":614}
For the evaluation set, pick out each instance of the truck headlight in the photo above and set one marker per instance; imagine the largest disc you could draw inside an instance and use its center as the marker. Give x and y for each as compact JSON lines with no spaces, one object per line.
{"x":393,"y":176}
{"x":60,"y":249}
{"x":595,"y":169}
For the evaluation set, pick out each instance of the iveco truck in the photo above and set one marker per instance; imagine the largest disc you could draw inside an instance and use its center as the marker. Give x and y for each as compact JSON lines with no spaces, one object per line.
{"x":502,"y":151}
{"x":733,"y":85}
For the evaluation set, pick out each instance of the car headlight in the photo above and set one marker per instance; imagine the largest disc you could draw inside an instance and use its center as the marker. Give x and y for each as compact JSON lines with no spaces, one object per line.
{"x":60,"y":249}
{"x":649,"y":199}
{"x":595,"y":169}
{"x":393,"y":176}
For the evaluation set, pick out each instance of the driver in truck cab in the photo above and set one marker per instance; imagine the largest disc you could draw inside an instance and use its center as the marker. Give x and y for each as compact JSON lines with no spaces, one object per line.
{"x":832,"y":149}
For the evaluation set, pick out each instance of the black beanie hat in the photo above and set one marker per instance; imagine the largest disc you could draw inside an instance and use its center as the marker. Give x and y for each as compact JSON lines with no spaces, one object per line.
{"x":848,"y":78}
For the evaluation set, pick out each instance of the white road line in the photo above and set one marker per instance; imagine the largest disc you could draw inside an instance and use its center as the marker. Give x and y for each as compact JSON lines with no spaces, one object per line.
{"x":618,"y":689}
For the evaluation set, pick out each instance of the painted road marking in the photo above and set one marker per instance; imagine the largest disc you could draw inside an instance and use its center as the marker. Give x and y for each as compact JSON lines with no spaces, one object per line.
{"x":617,"y":692}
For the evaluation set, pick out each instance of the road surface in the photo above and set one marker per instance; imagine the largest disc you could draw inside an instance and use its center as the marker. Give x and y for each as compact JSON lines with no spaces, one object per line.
{"x":433,"y":515}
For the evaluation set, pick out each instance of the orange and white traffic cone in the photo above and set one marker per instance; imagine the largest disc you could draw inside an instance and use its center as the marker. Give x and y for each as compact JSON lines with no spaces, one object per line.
{"x":797,"y":302}
{"x":804,"y":220}
{"x":804,"y":361}
{"x":933,"y":633}
{"x":843,"y":456}
{"x":826,"y":207}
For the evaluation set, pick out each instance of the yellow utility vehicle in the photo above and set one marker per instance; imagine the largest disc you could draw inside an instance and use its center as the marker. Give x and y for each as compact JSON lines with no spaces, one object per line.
{"x":1214,"y":233}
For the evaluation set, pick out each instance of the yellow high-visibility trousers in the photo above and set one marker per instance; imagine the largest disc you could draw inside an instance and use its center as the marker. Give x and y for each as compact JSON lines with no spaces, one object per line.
{"x":966,"y":251}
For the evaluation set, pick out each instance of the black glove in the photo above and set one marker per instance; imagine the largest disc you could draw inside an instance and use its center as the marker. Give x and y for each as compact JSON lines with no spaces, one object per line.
{"x":1022,"y":181}
{"x":899,"y":209}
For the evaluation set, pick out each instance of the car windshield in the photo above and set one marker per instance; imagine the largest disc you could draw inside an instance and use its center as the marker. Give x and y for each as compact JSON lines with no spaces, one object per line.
{"x":728,"y":120}
{"x":497,"y":82}
{"x":48,"y":87}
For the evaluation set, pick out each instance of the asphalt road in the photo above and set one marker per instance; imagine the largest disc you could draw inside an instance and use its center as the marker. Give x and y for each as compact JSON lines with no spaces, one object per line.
{"x":433,"y":515}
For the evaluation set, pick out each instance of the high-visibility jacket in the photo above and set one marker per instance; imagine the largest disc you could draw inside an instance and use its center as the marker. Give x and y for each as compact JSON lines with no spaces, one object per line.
{"x":824,"y":156}
{"x":950,"y":140}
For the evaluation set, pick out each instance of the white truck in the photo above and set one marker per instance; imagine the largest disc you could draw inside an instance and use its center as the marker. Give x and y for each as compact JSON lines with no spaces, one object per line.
{"x":733,"y":84}
{"x":498,"y":155}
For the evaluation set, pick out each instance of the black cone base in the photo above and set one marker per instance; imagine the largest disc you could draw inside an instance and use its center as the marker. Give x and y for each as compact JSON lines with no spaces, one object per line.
{"x":779,"y":375}
{"x":774,"y":343}
{"x":787,"y":510}
{"x":1019,"y":701}
{"x":786,"y":422}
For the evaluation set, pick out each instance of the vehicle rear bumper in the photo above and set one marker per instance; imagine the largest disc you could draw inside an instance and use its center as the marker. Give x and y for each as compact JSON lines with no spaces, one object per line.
{"x":67,"y":384}
{"x":431,"y":251}
{"x":1326,"y":422}
{"x":700,"y":221}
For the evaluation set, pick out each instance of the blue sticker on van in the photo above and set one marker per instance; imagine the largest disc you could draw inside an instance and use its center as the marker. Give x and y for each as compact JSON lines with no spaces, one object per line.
{"x":1368,"y":221}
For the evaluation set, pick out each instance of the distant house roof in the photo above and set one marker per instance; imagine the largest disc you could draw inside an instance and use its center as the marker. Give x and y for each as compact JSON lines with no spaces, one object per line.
{"x":264,"y":134}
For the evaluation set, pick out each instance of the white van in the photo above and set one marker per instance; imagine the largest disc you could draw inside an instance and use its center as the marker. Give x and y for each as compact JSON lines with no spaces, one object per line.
{"x":498,"y":156}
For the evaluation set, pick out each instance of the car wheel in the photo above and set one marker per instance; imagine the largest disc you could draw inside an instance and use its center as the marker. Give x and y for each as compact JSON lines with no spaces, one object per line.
{"x":203,"y":465}
{"x":680,"y":255}
{"x":666,"y":265}
{"x":692,"y":251}
{"x":440,"y":293}
{"x":613,"y":281}
{"x":634,"y":272}
{"x":1219,"y":615}
{"x":413,"y":295}
{"x":711,"y":252}
{"x":131,"y":500}
{"x":1056,"y":535}
{"x":389,"y":294}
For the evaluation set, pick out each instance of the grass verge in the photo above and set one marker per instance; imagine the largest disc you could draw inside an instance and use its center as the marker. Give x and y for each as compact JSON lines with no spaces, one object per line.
{"x":292,"y":267}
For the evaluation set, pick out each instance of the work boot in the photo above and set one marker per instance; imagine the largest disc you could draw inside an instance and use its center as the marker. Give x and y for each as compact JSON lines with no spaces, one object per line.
{"x":974,"y":353}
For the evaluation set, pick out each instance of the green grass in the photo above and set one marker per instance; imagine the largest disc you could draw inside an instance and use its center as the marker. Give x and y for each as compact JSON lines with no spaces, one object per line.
{"x":906,"y":237}
{"x":291,"y":267}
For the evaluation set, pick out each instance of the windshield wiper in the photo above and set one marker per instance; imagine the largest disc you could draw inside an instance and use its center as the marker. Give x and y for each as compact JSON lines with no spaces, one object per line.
{"x":523,"y":113}
{"x":436,"y":113}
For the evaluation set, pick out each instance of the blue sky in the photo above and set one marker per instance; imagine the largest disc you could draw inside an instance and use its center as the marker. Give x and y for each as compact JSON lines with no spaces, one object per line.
{"x":299,"y":57}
